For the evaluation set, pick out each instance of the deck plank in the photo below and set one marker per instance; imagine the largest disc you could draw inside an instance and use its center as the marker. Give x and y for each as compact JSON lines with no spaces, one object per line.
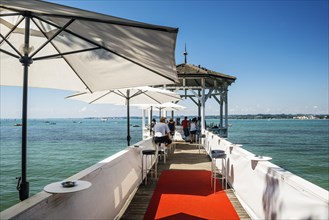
{"x":186,"y":156}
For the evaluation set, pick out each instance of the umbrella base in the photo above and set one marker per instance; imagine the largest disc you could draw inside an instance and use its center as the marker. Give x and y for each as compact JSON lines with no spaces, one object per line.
{"x":23,"y":190}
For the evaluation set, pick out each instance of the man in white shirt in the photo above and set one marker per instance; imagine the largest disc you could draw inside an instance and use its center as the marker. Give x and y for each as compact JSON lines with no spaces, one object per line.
{"x":161,"y":131}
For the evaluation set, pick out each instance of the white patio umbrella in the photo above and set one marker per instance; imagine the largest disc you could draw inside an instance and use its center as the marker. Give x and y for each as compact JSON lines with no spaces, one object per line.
{"x":168,"y":106}
{"x":128,"y":96}
{"x":62,"y":47}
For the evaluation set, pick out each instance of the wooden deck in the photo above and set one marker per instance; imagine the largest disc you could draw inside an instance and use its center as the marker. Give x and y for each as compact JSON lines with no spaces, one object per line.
{"x":186,"y":156}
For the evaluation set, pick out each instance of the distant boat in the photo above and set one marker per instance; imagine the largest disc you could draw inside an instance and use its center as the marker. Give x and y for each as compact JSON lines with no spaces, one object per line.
{"x":136,"y":126}
{"x":18,"y":124}
{"x":104,"y":119}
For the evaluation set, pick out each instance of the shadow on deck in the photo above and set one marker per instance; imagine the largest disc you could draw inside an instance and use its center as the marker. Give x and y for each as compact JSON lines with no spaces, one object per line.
{"x":185,"y":157}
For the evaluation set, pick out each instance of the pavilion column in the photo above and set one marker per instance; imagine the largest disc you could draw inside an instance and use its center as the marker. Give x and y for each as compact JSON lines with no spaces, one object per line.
{"x":199,"y":104}
{"x":203,"y":100}
{"x":226,"y":109}
{"x":221,"y":102}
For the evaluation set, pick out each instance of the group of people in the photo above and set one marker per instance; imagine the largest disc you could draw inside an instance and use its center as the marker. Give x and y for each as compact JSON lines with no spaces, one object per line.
{"x":162,"y":130}
{"x":190,"y":128}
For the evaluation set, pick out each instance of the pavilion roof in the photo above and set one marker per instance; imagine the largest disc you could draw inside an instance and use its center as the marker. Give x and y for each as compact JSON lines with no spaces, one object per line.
{"x":193,"y":74}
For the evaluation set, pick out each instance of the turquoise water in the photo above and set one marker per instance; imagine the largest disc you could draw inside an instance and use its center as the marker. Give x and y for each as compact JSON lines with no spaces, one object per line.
{"x":299,"y":146}
{"x":57,"y":151}
{"x":62,"y":147}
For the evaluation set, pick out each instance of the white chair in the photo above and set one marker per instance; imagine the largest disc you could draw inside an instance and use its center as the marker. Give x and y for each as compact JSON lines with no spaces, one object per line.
{"x":153,"y":169}
{"x":215,"y":172}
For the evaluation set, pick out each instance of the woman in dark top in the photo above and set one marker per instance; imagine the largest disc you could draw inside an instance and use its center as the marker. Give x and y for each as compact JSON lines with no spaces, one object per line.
{"x":171,"y":126}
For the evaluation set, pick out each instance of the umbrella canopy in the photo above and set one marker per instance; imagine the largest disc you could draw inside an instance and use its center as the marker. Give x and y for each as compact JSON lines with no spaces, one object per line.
{"x":89,"y":50}
{"x":67,"y":48}
{"x":168,"y":106}
{"x":127,"y":96}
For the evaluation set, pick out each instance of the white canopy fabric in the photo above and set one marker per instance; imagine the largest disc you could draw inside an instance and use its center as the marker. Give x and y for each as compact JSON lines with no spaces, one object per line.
{"x":74,"y":49}
{"x":167,"y":106}
{"x":136,"y":95}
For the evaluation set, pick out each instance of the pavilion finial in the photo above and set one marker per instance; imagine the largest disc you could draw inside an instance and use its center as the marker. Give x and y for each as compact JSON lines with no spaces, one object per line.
{"x":185,"y":55}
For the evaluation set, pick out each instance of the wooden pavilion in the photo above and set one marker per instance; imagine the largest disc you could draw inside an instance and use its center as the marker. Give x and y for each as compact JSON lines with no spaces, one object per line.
{"x":199,"y":84}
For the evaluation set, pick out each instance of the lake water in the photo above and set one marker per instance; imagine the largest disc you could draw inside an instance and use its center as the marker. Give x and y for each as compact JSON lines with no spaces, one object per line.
{"x":59,"y":148}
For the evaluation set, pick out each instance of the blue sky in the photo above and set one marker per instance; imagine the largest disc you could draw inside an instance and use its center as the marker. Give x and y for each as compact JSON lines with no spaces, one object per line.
{"x":278,"y":50}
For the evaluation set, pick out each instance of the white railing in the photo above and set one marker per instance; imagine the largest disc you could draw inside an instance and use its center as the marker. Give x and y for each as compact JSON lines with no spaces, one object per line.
{"x":267,"y":191}
{"x":114,"y":182}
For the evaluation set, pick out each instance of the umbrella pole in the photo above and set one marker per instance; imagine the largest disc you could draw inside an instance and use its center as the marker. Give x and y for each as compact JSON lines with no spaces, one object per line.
{"x":23,"y":185}
{"x":128,"y":120}
{"x":151,"y":129}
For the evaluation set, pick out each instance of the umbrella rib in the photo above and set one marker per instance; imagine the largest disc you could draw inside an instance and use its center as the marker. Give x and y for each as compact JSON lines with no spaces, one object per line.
{"x":145,"y":93}
{"x":119,"y":93}
{"x":60,"y":55}
{"x":138,"y":92}
{"x":151,"y":97}
{"x":107,"y":49}
{"x":75,"y":95}
{"x":10,"y":54}
{"x":10,"y":14}
{"x":52,"y":37}
{"x":96,"y":99}
{"x":4,"y":38}
{"x":86,"y":93}
{"x":63,"y":57}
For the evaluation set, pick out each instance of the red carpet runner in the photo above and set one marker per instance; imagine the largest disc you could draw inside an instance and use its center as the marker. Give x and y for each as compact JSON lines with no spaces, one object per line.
{"x":186,"y":194}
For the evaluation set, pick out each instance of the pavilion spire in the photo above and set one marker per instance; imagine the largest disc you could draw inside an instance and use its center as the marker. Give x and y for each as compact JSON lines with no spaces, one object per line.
{"x":185,"y":55}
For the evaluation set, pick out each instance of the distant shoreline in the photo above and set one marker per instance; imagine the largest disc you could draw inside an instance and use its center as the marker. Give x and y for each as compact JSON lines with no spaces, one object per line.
{"x":280,"y":116}
{"x":247,"y":116}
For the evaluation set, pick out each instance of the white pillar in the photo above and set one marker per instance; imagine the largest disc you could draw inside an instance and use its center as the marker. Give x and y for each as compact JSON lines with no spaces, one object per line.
{"x":226,"y":109}
{"x":203,"y":100}
{"x":143,"y":123}
{"x":164,"y":113}
{"x":221,"y":109}
{"x":199,"y":104}
{"x":149,"y":119}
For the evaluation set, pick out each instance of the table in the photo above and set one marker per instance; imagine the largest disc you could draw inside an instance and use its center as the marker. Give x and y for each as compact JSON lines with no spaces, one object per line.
{"x":261,"y":158}
{"x":58,"y":188}
{"x":236,"y":145}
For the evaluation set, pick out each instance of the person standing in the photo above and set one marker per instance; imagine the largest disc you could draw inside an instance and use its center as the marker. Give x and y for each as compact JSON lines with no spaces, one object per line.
{"x":185,"y":125}
{"x":172,"y":127}
{"x":193,"y":129}
{"x":153,"y":122}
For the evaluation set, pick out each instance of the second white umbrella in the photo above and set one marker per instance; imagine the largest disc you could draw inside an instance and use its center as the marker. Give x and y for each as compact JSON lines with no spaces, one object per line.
{"x":127,"y":96}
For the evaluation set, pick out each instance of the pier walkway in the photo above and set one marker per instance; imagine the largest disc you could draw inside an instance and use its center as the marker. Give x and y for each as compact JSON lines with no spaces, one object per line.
{"x":185,"y":157}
